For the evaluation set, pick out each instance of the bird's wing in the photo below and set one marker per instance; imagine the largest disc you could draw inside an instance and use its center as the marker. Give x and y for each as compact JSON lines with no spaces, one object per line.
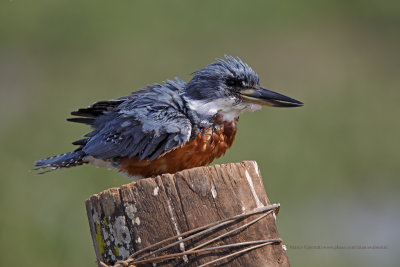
{"x":145,"y":125}
{"x":88,"y":115}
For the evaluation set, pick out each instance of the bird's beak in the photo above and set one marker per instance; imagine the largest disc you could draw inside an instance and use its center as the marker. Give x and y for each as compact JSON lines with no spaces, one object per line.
{"x":262,"y":96}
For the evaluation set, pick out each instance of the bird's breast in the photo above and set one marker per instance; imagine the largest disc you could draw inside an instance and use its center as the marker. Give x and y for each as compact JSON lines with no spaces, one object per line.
{"x":207,"y":145}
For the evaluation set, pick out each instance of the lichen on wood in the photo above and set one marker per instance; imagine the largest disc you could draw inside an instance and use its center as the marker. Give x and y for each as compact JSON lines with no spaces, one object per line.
{"x":126,"y":219}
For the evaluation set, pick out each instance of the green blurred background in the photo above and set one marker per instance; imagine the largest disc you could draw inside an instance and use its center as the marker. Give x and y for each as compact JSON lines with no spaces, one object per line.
{"x":332,"y":164}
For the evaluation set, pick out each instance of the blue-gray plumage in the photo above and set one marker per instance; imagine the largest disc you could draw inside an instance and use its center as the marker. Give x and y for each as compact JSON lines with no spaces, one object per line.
{"x":171,"y":126}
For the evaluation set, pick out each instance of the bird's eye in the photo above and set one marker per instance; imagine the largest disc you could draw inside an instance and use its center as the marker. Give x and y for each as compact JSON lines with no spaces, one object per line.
{"x":235,"y":82}
{"x":230,"y":82}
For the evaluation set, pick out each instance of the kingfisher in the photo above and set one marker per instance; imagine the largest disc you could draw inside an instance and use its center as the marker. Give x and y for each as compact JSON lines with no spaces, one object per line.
{"x":169,"y":127}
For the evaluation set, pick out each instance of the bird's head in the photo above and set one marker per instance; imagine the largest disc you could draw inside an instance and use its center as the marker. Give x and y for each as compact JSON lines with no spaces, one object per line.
{"x":230,"y":87}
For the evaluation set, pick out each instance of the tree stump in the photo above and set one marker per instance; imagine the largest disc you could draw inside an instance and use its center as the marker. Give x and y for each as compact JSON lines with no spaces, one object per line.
{"x":127,"y":219}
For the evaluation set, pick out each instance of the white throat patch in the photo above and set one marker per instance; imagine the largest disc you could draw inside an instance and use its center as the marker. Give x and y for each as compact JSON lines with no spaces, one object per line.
{"x":226,"y":107}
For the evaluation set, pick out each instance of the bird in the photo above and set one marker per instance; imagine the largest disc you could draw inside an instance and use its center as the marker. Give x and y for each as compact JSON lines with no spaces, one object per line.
{"x":171,"y":126}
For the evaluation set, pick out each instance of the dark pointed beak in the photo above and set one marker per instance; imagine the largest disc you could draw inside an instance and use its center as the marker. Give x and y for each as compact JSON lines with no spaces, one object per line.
{"x":262,"y":96}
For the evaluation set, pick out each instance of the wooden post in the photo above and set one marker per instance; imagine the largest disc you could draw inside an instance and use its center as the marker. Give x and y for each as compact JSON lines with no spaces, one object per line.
{"x":126,"y":219}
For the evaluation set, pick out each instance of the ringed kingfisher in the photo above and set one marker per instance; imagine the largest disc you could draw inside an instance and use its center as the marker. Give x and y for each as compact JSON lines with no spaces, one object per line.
{"x":165,"y":128}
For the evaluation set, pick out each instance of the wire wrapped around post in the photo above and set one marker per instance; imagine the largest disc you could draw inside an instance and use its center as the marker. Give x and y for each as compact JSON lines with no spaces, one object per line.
{"x":199,"y":217}
{"x":199,"y":232}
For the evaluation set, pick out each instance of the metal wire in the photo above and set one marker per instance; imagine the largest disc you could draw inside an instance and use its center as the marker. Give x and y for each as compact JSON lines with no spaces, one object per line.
{"x":133,"y":260}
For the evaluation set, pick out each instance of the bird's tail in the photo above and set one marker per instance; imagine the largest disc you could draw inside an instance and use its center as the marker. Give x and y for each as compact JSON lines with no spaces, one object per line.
{"x":66,"y":160}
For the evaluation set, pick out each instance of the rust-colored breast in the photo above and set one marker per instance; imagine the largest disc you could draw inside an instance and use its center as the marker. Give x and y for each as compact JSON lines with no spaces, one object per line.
{"x":199,"y":151}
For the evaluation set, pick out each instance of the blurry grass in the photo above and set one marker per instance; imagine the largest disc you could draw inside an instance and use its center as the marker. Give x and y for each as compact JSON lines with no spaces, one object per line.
{"x":338,"y":154}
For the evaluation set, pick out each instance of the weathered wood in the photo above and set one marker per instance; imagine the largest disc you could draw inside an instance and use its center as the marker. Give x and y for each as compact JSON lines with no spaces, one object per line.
{"x":134,"y":216}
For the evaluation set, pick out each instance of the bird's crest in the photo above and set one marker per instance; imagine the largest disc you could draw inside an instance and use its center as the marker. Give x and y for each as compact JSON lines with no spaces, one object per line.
{"x":231,"y":67}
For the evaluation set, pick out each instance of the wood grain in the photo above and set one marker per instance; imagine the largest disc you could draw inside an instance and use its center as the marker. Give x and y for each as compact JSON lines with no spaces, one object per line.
{"x":134,"y":216}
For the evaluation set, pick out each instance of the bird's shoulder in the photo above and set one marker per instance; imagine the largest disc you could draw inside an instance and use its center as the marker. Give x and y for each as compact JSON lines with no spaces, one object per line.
{"x":153,"y":98}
